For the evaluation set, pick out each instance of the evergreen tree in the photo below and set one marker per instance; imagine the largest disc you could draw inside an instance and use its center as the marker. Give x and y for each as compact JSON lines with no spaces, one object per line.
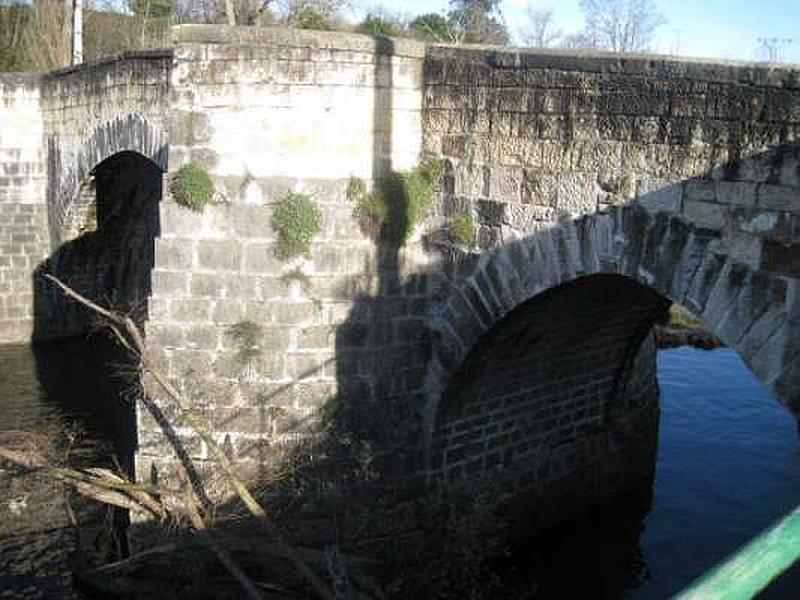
{"x":479,"y":21}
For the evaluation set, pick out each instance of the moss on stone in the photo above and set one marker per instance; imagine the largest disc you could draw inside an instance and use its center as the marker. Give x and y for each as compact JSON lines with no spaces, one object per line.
{"x":296,"y":220}
{"x":397,"y":204}
{"x":462,"y":230}
{"x":192,"y":187}
{"x":246,"y":336}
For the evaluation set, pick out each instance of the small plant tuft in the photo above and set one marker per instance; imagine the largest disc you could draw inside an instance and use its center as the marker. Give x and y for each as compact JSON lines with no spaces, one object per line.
{"x":392,"y":210}
{"x":192,"y":187}
{"x":296,"y":220}
{"x":356,"y":188}
{"x":462,"y":230}
{"x":247,"y":337}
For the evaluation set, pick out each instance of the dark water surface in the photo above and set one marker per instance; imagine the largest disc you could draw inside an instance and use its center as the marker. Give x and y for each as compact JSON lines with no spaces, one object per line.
{"x":728,"y":467}
{"x":64,"y":391}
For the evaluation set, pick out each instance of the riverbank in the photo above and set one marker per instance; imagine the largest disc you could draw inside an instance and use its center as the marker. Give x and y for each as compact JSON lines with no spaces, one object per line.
{"x":683,"y":329}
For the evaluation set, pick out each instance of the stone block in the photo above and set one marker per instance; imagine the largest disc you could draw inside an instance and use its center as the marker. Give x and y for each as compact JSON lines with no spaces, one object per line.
{"x":259,"y":258}
{"x":206,"y":285}
{"x":659,"y":195}
{"x":251,"y":221}
{"x":739,"y":193}
{"x":705,"y":214}
{"x":165,"y":335}
{"x":176,"y":254}
{"x":306,"y":366}
{"x":699,"y":190}
{"x":315,"y":337}
{"x":779,"y":197}
{"x":170,"y":283}
{"x":219,"y":255}
{"x":201,"y":336}
{"x":190,"y":310}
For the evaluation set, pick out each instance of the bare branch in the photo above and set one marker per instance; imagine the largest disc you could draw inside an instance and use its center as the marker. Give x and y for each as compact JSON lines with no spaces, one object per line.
{"x":128,"y":333}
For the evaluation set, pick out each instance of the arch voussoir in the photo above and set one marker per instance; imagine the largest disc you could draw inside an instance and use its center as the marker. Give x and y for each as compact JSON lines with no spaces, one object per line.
{"x":703,"y":280}
{"x":727,"y":287}
{"x":73,"y":164}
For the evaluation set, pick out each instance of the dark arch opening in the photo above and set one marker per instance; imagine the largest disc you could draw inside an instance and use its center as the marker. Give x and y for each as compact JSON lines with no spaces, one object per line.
{"x":559,"y":400}
{"x":115,"y":217}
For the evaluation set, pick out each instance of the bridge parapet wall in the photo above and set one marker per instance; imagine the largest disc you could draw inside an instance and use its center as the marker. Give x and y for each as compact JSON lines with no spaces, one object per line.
{"x":534,"y":137}
{"x":23,"y":211}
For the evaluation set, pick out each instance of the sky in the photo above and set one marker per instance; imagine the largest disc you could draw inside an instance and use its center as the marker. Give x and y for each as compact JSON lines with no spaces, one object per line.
{"x":723,"y":29}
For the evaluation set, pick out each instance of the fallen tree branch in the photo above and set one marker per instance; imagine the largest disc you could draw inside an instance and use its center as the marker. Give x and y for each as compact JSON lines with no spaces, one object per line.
{"x":128,"y":334}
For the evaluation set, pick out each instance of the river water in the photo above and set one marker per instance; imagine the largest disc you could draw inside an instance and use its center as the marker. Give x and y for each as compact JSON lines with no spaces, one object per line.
{"x":728,"y":466}
{"x":70,"y":397}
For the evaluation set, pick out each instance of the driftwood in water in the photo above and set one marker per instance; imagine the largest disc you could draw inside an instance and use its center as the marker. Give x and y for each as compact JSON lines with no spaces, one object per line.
{"x":27,"y":451}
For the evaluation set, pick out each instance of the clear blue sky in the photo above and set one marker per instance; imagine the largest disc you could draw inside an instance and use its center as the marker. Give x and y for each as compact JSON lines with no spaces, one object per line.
{"x":705,"y":28}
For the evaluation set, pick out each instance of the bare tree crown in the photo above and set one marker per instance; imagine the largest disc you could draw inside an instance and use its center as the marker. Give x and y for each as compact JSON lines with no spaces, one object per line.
{"x":622,"y":25}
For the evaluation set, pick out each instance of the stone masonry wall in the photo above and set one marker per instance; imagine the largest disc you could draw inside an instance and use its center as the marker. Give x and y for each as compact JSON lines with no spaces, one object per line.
{"x":23,"y":216}
{"x":534,"y":137}
{"x":268,"y":112}
{"x":558,"y":399}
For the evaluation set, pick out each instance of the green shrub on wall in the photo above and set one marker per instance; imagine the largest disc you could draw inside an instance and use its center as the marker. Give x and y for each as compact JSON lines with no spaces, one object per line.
{"x":296,"y":219}
{"x":192,"y":187}
{"x":462,"y":230}
{"x":397,"y":204}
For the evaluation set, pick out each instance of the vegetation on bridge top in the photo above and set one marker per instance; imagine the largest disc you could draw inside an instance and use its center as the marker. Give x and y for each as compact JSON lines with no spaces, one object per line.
{"x":462,"y":230}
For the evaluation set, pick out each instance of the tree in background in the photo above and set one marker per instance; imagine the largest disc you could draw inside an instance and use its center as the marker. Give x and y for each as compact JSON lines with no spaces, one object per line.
{"x":541,"y":31}
{"x":151,"y":13}
{"x":433,"y":27}
{"x":381,"y":23}
{"x":621,"y":25}
{"x":312,"y":14}
{"x":478,"y":21}
{"x":47,"y":42}
{"x":14,"y":20}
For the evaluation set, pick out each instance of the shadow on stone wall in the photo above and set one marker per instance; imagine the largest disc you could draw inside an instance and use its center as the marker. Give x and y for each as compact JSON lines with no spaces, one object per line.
{"x":393,"y":367}
{"x":111,"y":262}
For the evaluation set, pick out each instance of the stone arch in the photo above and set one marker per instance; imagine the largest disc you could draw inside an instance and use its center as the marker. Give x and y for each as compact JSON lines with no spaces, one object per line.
{"x":70,"y":167}
{"x":751,"y":311}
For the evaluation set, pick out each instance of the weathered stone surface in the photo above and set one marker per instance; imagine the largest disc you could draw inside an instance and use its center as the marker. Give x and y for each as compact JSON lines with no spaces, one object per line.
{"x":553,"y":153}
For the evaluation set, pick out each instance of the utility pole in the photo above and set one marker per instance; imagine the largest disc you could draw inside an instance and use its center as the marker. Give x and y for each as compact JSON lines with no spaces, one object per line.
{"x":771,"y":47}
{"x":77,"y":32}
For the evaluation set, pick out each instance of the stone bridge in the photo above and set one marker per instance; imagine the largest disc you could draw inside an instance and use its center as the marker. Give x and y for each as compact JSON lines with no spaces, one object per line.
{"x":603,"y":188}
